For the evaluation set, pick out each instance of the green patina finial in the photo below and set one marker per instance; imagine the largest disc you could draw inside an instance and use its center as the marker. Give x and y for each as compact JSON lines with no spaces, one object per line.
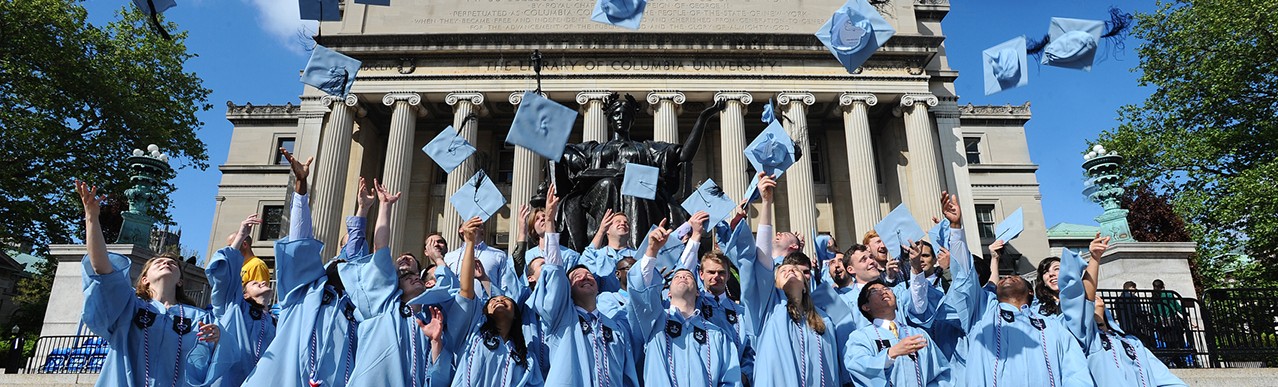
{"x":148,"y":168}
{"x":1105,"y":188}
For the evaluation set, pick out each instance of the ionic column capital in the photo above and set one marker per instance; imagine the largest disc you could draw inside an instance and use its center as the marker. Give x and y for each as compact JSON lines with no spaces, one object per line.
{"x":474,"y":97}
{"x":413,"y":99}
{"x":517,"y":97}
{"x":350,"y":100}
{"x":658,"y":95}
{"x":848,"y":99}
{"x":786,"y":97}
{"x":583,"y":97}
{"x":908,"y":100}
{"x":740,"y":96}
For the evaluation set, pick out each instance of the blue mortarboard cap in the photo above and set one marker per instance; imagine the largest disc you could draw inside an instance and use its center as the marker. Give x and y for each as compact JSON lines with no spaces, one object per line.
{"x":160,"y":5}
{"x":769,"y":112}
{"x":448,"y":149}
{"x":542,"y":126}
{"x":1005,"y":66}
{"x":640,"y":181}
{"x":711,"y":199}
{"x":1073,"y":43}
{"x":479,"y":197}
{"x":772,"y":152}
{"x":1010,"y":227}
{"x":373,"y":2}
{"x":939,"y":235}
{"x":823,"y":252}
{"x":322,"y":10}
{"x":668,"y":256}
{"x":854,"y":32}
{"x":898,"y":228}
{"x":620,"y":13}
{"x":330,"y":71}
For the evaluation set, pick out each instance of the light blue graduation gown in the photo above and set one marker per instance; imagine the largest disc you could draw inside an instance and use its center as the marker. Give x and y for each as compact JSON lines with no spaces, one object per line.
{"x":692,"y":351}
{"x":787,"y":353}
{"x":316,"y":329}
{"x":484,"y":358}
{"x":867,"y":354}
{"x":149,"y":344}
{"x":1009,"y":345}
{"x":498,"y":266}
{"x":392,"y":350}
{"x":1114,"y":358}
{"x":246,"y":332}
{"x":602,"y":262}
{"x":571,"y":258}
{"x":576,"y":340}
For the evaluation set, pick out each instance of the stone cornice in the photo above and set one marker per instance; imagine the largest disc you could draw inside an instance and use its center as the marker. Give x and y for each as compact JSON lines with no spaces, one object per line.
{"x":287,"y":110}
{"x":995,"y":111}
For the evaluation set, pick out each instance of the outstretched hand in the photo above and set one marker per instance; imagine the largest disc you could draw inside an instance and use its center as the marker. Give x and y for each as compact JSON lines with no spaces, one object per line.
{"x":950,"y":207}
{"x":996,"y":249}
{"x":209,"y":333}
{"x":915,"y":249}
{"x":907,"y":346}
{"x":943,"y":258}
{"x":383,"y":195}
{"x":767,"y":186}
{"x":1098,"y":246}
{"x":300,"y":170}
{"x":435,"y":329}
{"x":90,"y":199}
{"x":657,"y":238}
{"x":698,"y":223}
{"x":365,"y":196}
{"x":470,"y":230}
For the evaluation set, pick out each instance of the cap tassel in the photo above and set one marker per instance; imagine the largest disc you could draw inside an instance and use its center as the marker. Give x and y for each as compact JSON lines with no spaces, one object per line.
{"x":1116,"y":28}
{"x":155,"y":21}
{"x":1034,"y":47}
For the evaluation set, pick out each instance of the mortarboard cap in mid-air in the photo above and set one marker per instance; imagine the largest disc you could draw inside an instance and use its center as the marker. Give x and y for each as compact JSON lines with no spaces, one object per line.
{"x":668,"y":255}
{"x":154,"y":6}
{"x":1010,"y":227}
{"x":330,"y":71}
{"x":640,"y":181}
{"x":1005,"y":66}
{"x":854,"y":32}
{"x":479,"y":197}
{"x":448,"y":149}
{"x":542,"y":126}
{"x":1073,"y":43}
{"x":709,"y":197}
{"x":939,"y":235}
{"x":321,"y":10}
{"x":620,"y":13}
{"x":897,"y":229}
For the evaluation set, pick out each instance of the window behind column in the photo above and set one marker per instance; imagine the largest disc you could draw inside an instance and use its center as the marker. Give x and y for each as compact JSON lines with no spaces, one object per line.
{"x":286,"y":143}
{"x":505,"y":164}
{"x":985,"y":220}
{"x":972,"y":145}
{"x":815,"y":153}
{"x":272,"y":219}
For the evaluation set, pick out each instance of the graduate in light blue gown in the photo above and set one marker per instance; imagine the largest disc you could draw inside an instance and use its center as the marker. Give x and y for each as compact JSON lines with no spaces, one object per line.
{"x":398,"y":344}
{"x":796,"y":343}
{"x":1113,"y":357}
{"x":1047,"y":300}
{"x":156,"y":338}
{"x":497,"y":266}
{"x":610,"y":246}
{"x":242,"y":308}
{"x":681,"y":346}
{"x":490,"y":347}
{"x":1005,"y":343}
{"x":889,"y":352}
{"x":316,"y":332}
{"x":586,"y":347}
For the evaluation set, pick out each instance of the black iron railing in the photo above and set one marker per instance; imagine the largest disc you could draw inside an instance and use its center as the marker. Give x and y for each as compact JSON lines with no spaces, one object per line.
{"x":1245,"y":323}
{"x":1176,"y":329}
{"x":67,"y":355}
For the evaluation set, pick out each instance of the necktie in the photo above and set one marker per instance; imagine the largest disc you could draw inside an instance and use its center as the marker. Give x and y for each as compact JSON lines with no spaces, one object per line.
{"x":892,"y":327}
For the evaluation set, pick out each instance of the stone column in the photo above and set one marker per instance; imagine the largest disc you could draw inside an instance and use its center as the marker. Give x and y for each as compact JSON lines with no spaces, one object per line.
{"x":925,"y":179}
{"x":665,"y":109}
{"x":398,"y":168}
{"x":861,"y":163}
{"x":463,"y":103}
{"x":330,"y":173}
{"x":527,"y":174}
{"x":798,"y":179}
{"x":732,"y":141}
{"x":592,"y":105}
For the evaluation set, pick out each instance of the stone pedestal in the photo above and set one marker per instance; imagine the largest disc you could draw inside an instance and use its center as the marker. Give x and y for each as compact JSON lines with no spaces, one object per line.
{"x":66,"y":299}
{"x":1144,"y":262}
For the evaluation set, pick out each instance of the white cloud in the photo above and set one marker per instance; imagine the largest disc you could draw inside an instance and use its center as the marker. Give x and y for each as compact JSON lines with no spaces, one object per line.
{"x":279,"y":18}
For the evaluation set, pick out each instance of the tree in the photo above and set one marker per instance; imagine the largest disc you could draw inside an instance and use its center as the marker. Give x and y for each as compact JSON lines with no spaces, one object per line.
{"x":1151,"y":216}
{"x":75,"y":100}
{"x":1208,"y":135}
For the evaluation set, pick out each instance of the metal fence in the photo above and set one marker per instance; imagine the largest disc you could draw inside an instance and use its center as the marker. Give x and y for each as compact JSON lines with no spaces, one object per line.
{"x":1245,"y":323}
{"x":1175,"y":329}
{"x":67,"y":355}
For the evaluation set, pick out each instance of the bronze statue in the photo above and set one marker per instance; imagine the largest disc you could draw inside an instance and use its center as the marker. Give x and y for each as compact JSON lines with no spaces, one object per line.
{"x":589,"y":175}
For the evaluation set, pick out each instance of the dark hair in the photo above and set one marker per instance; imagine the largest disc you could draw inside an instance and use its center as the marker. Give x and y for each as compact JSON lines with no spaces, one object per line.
{"x":1129,"y":284}
{"x":515,"y":330}
{"x":1158,"y":284}
{"x":1047,"y":303}
{"x":863,"y":299}
{"x":803,"y":308}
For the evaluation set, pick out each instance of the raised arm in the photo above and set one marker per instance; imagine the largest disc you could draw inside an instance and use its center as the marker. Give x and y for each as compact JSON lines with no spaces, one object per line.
{"x":470,"y":234}
{"x":93,"y":239}
{"x":966,"y":296}
{"x":602,"y":231}
{"x":381,"y":233}
{"x":552,"y":298}
{"x":299,"y":224}
{"x":698,"y":130}
{"x":689,"y":259}
{"x":223,"y":271}
{"x":996,"y":249}
{"x":1091,"y":276}
{"x":767,"y":186}
{"x":645,"y":309}
{"x":357,"y":226}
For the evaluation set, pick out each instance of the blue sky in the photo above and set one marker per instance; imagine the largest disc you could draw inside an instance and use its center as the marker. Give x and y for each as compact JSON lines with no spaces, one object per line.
{"x":248,"y":51}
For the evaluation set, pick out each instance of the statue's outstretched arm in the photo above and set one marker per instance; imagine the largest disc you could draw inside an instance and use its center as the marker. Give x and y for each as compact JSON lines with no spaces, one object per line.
{"x":694,"y":139}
